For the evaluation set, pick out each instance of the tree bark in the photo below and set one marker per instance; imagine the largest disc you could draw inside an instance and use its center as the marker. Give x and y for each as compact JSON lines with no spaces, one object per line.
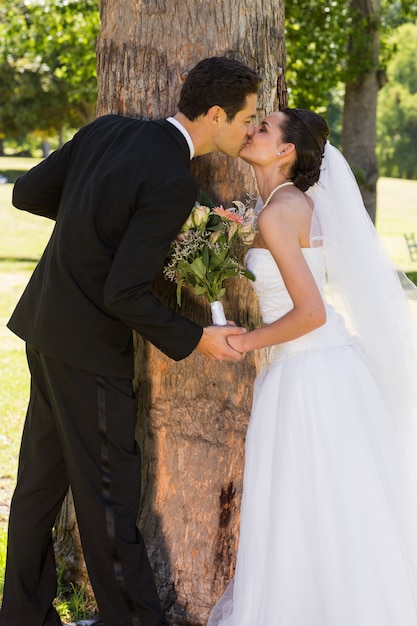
{"x":361,"y":95}
{"x":145,"y":50}
{"x":192,"y":415}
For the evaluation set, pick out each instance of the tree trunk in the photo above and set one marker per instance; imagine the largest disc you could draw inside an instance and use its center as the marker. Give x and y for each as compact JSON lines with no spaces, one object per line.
{"x":67,"y":545}
{"x":361,"y":94}
{"x":144,"y":54}
{"x":192,"y":415}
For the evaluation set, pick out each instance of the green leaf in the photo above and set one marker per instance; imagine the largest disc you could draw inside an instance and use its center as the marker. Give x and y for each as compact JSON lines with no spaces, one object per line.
{"x":200,"y":290}
{"x":205,"y":256}
{"x":249,"y":274}
{"x":198,"y":267}
{"x":233,"y":271}
{"x":179,"y":285}
{"x":206,"y":200}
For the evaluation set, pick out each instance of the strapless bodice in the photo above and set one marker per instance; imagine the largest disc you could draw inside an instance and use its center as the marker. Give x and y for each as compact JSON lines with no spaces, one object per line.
{"x":275,"y":301}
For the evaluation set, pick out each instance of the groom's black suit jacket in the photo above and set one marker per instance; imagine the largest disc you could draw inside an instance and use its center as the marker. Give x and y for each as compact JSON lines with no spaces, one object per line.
{"x":119,"y":191}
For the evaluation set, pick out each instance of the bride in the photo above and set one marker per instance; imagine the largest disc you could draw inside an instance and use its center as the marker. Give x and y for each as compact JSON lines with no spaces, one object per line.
{"x":329,"y":511}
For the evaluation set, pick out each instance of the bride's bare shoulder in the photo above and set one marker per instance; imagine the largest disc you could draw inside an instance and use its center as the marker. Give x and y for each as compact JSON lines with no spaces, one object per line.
{"x":290,"y":205}
{"x":287,"y":216}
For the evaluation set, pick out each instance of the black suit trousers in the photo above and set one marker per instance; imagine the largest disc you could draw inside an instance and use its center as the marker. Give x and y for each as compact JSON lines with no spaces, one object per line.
{"x":79,"y":432}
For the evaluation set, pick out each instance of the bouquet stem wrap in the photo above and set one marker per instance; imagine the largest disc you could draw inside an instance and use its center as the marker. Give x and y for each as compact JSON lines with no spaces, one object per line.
{"x":217,"y":313}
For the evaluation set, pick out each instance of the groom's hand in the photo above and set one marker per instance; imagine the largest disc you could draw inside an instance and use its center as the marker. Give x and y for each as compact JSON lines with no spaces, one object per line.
{"x":213,"y":343}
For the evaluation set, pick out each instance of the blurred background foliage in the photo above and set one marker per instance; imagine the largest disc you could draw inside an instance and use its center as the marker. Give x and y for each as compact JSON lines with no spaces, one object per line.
{"x":49,"y":87}
{"x":317,"y":71}
{"x":48,"y":69}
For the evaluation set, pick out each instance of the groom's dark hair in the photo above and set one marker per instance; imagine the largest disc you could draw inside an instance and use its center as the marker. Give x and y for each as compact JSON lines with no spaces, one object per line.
{"x":217,"y":81}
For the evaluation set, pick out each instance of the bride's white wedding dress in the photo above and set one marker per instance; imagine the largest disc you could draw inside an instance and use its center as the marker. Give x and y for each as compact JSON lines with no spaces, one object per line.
{"x":328,"y":519}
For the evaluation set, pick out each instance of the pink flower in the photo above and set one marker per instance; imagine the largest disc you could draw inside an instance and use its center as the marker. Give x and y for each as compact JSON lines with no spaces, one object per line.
{"x":228,"y":214}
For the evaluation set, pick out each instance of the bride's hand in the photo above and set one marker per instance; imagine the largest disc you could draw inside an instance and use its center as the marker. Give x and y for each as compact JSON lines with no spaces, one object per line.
{"x":235,"y":342}
{"x":214,"y":342}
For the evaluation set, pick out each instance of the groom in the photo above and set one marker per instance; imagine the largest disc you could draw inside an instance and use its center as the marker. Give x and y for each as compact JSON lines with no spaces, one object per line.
{"x":119,"y":192}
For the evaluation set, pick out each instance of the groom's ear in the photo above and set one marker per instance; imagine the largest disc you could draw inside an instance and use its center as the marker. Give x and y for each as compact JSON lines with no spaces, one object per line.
{"x":216,"y":115}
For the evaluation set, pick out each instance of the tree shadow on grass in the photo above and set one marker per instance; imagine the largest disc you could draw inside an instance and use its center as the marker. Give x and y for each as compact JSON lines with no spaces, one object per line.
{"x":14,"y":259}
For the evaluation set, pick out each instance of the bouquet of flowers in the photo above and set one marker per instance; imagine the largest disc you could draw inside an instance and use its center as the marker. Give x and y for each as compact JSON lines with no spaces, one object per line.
{"x":203,"y":254}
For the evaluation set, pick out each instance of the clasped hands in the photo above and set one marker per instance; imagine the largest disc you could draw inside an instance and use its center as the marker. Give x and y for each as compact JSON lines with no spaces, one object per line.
{"x":222,"y":342}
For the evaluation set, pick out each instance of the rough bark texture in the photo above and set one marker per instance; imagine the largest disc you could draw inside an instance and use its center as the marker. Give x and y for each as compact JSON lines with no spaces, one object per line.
{"x":192,"y":415}
{"x":68,"y":549}
{"x":146,"y":48}
{"x":361,"y":94}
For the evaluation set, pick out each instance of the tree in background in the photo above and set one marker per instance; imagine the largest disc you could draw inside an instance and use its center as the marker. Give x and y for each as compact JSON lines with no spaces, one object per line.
{"x":336,"y":58}
{"x":47,"y":62}
{"x":334,"y":47}
{"x":192,"y":415}
{"x":368,"y":53}
{"x":397,"y":110}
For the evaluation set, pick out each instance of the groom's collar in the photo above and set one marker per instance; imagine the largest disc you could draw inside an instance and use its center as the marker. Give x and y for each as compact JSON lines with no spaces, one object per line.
{"x":185,"y":132}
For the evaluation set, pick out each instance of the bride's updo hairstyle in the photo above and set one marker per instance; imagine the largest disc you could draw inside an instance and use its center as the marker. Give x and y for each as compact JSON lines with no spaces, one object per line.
{"x":308,"y":132}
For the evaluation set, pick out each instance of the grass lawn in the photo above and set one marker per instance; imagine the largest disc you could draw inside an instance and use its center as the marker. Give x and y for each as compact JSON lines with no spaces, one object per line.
{"x":22,"y":240}
{"x":396,"y":215}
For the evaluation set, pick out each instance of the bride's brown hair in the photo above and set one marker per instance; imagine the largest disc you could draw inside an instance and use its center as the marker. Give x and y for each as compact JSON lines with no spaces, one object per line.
{"x":308,"y":131}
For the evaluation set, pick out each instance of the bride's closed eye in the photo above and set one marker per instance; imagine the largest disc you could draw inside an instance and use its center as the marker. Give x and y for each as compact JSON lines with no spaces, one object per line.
{"x":262,"y":127}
